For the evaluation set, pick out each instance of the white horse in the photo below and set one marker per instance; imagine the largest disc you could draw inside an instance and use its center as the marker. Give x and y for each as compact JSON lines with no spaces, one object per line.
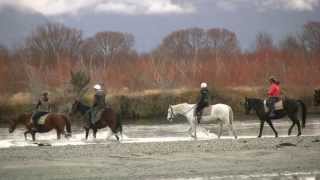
{"x":220,"y":114}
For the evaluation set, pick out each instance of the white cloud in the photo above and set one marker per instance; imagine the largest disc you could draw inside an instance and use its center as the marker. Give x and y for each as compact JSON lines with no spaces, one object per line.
{"x":144,"y":7}
{"x":262,"y":5}
{"x":131,"y":7}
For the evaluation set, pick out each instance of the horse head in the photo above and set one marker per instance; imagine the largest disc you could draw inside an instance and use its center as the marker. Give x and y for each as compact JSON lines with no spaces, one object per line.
{"x":171,"y":113}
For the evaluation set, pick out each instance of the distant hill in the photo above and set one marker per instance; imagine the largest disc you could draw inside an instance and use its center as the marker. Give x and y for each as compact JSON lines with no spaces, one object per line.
{"x":16,"y":23}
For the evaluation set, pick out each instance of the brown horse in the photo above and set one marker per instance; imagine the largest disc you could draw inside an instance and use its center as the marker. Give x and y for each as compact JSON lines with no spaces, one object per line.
{"x":53,"y":121}
{"x":108,"y":118}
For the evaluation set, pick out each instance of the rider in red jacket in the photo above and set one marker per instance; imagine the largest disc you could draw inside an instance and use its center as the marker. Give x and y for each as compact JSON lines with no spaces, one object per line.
{"x":273,"y":94}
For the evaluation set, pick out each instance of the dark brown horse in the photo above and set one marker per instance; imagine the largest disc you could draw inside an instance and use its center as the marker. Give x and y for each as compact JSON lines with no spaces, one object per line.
{"x":291,"y":108}
{"x":108,"y":118}
{"x":53,"y":121}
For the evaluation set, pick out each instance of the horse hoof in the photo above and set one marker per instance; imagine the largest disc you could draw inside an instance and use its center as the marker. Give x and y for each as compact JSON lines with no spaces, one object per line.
{"x":299,"y":135}
{"x":259,"y":137}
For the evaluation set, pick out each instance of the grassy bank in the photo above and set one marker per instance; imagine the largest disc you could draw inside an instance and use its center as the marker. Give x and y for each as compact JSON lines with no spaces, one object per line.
{"x":152,"y":103}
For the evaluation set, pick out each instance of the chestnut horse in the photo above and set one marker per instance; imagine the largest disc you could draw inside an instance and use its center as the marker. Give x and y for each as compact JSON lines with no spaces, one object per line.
{"x":108,"y":118}
{"x":53,"y":121}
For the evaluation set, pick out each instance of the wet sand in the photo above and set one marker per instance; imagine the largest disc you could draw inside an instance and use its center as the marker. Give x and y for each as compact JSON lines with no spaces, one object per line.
{"x":206,"y":159}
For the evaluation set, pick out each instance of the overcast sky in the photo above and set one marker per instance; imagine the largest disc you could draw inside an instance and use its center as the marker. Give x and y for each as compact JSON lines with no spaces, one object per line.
{"x":151,"y":20}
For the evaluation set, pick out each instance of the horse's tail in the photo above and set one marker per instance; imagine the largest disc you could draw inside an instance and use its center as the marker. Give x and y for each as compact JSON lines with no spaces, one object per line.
{"x":68,"y":125}
{"x":304,"y":113}
{"x":230,"y":116}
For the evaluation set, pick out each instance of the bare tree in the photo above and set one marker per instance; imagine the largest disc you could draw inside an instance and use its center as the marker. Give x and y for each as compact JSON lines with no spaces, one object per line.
{"x":79,"y":82}
{"x":264,"y":42}
{"x":50,"y":41}
{"x":311,"y":37}
{"x":291,"y":44}
{"x":183,"y":44}
{"x":222,"y":42}
{"x":108,"y":46}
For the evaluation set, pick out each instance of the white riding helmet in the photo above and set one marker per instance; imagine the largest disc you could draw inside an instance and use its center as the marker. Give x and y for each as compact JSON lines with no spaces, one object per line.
{"x":203,"y":85}
{"x":97,"y":87}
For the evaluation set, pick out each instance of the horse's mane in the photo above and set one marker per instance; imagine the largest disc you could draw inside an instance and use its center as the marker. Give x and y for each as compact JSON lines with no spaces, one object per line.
{"x":179,"y":107}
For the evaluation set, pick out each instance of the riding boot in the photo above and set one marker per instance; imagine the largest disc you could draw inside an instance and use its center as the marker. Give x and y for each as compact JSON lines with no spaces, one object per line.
{"x":199,"y":115}
{"x":34,"y":125}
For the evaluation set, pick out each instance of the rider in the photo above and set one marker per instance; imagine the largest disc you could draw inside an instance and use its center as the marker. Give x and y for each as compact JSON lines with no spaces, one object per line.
{"x":203,"y":100}
{"x":99,"y":103}
{"x":42,"y":108}
{"x":273,"y":94}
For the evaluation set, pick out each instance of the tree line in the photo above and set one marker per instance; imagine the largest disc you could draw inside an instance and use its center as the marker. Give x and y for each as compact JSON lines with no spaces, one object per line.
{"x":184,"y":58}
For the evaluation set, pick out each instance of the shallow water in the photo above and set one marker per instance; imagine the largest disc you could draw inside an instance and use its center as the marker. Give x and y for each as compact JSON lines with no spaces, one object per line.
{"x":156,"y":132}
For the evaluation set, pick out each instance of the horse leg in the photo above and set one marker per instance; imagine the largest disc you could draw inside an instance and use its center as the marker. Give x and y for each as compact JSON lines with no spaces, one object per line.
{"x":220,"y":131}
{"x":95,"y":133}
{"x":290,"y":129}
{"x":193,"y":131}
{"x":87,"y":133}
{"x":296,"y":121}
{"x":33,"y":134}
{"x":190,"y":131}
{"x":233,"y":131}
{"x":299,"y":128}
{"x":58,"y":134}
{"x":261,"y":128}
{"x":117,"y":137}
{"x":273,"y":129}
{"x":25,"y":134}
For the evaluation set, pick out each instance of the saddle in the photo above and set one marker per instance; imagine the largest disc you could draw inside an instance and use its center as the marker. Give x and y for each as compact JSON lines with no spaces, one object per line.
{"x":41,"y":120}
{"x":277,"y":105}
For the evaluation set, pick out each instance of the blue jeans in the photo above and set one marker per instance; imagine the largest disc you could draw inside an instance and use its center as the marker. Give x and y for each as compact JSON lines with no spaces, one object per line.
{"x":271,"y":102}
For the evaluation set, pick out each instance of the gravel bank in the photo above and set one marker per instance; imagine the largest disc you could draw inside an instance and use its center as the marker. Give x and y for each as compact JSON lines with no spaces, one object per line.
{"x":163,"y":160}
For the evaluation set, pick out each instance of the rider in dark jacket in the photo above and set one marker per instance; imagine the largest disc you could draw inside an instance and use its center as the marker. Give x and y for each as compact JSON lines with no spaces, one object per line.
{"x":203,"y":101}
{"x":42,"y":108}
{"x":99,"y":103}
